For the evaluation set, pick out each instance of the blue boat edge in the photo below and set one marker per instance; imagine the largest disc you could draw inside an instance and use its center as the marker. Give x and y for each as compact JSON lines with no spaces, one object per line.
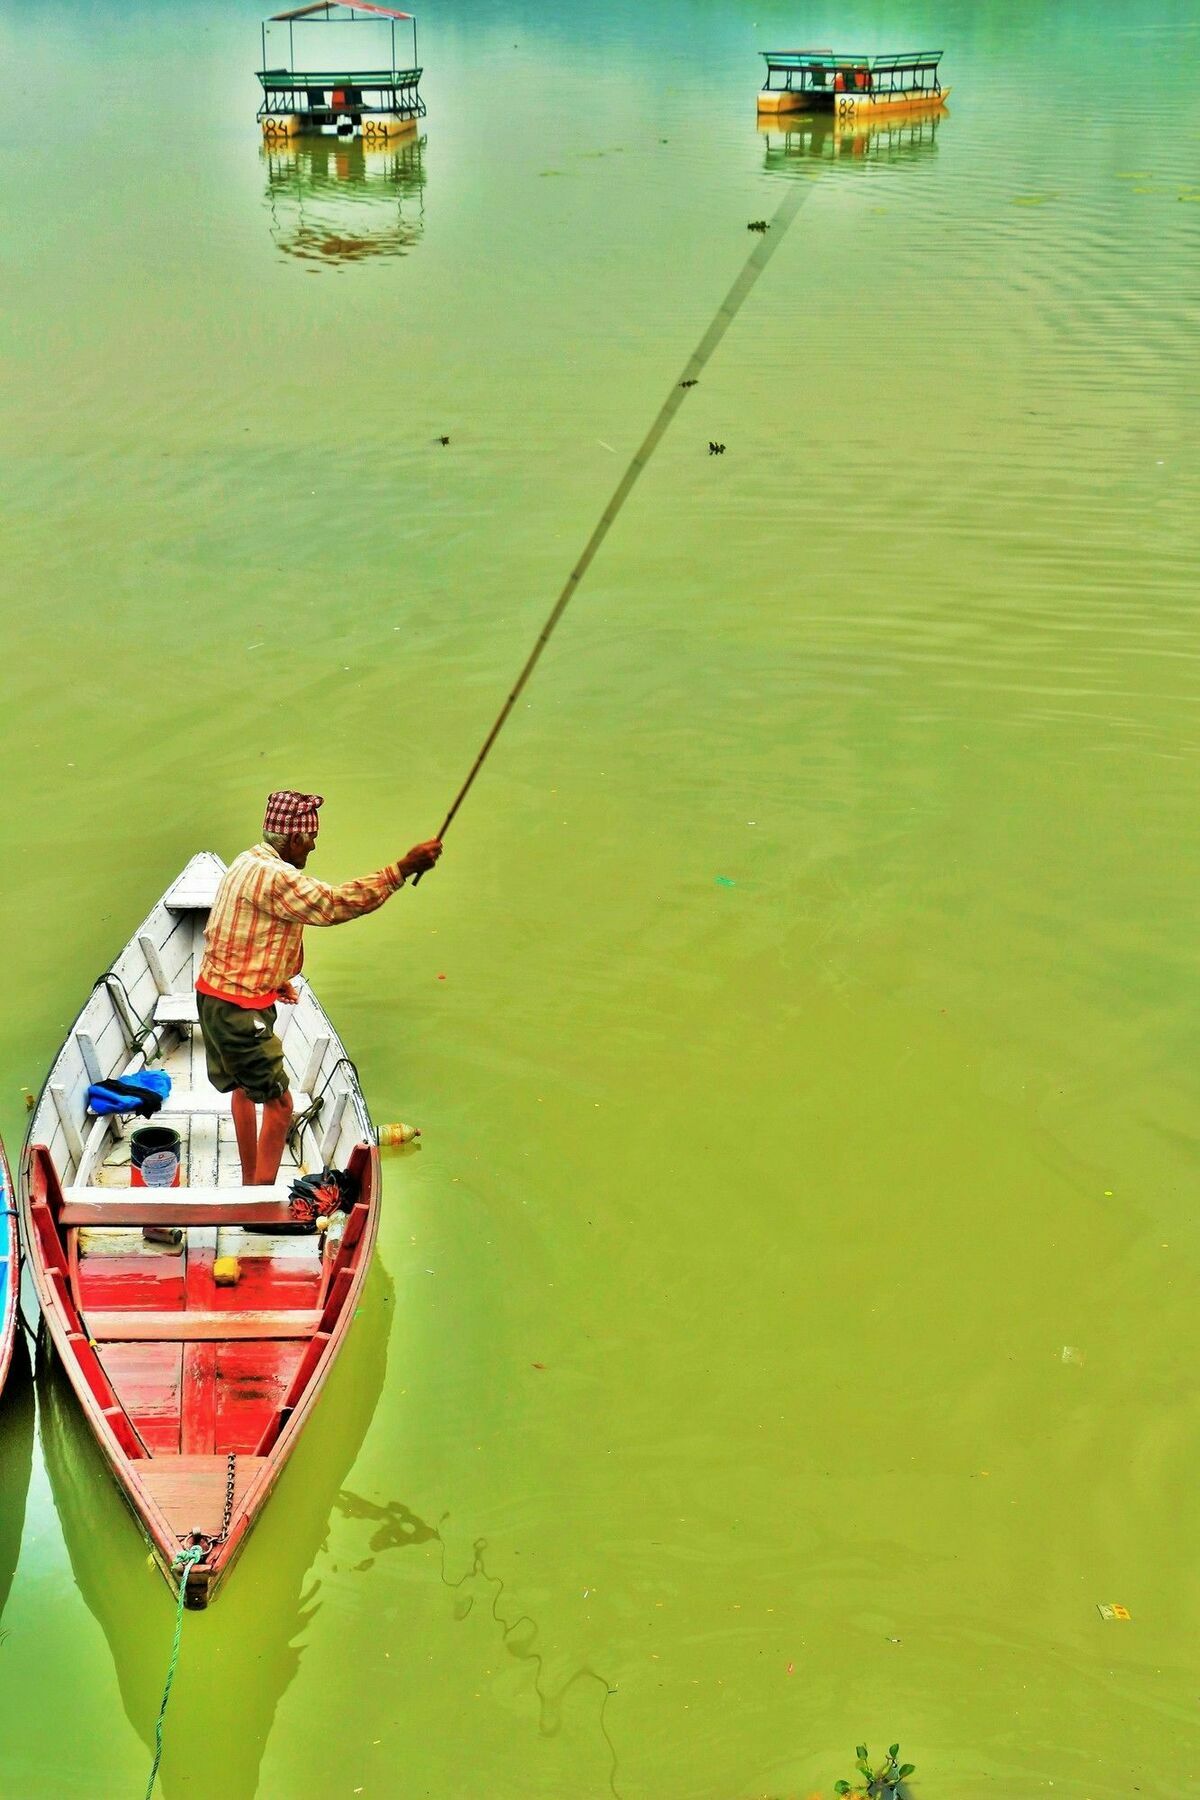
{"x":10,"y":1268}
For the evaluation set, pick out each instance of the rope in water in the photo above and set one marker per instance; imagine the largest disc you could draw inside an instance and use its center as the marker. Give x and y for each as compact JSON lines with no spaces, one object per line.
{"x":726,"y":313}
{"x":182,"y":1563}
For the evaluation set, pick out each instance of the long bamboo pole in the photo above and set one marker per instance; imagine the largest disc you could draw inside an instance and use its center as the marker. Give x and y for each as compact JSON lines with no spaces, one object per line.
{"x":726,"y":313}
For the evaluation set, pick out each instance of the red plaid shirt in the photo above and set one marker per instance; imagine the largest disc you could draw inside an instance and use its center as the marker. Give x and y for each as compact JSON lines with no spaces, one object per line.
{"x":255,"y":936}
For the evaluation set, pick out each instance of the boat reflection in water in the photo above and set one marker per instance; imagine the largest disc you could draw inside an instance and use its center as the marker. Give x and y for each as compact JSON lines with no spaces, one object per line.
{"x":16,"y":1465}
{"x":340,"y":200}
{"x":794,"y":139}
{"x":240,"y":1657}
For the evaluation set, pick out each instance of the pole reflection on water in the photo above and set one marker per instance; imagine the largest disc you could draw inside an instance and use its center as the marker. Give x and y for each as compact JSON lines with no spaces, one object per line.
{"x":238,"y":1658}
{"x":338,"y":200}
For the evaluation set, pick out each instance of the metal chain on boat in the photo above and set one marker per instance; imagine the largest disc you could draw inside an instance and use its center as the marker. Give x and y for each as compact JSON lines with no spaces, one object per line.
{"x":208,"y":1541}
{"x":228,"y":1514}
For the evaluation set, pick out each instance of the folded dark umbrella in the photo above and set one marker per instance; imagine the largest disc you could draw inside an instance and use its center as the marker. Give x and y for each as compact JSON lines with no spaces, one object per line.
{"x":313,"y":1197}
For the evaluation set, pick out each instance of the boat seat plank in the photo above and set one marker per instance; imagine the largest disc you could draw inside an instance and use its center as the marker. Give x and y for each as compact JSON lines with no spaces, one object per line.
{"x":194,"y":890}
{"x":184,"y":1009}
{"x":272,"y":1213}
{"x":187,"y":1327}
{"x":208,"y":1101}
{"x":190,"y":1490}
{"x":175,"y":1206}
{"x":177,"y":1009}
{"x":229,"y":1196}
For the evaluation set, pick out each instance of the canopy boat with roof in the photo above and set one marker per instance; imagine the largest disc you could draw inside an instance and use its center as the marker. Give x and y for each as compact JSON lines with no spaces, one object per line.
{"x":851,"y":86}
{"x":342,"y":95}
{"x":196,"y":1323}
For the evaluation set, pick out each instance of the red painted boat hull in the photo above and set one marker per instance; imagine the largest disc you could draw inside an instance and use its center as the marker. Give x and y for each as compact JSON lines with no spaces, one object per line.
{"x":172,"y":1497}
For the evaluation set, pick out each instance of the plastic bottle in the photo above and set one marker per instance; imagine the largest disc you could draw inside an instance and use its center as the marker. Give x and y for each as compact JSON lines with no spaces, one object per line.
{"x":389,"y":1136}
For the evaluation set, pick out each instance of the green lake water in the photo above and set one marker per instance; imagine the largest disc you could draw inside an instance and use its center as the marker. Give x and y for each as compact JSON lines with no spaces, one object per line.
{"x":803,"y":1019}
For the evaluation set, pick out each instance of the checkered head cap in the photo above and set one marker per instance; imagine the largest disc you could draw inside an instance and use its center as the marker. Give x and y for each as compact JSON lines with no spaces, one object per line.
{"x":292,"y":814}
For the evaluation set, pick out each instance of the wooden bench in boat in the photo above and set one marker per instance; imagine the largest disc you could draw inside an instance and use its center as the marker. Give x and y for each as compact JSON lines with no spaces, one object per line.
{"x":207,"y":1100}
{"x":183,"y":1008}
{"x":175,"y":1206}
{"x":186,"y":1327}
{"x":176,"y":1009}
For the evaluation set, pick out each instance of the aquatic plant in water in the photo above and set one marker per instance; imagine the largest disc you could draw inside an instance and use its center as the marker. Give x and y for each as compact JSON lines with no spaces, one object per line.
{"x":882,"y":1783}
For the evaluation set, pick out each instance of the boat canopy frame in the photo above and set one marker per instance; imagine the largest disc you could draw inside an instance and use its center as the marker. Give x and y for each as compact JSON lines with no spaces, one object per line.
{"x":823,"y":73}
{"x":323,"y":96}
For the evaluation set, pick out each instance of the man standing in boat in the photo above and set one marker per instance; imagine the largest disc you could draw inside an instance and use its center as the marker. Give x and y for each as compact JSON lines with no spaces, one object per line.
{"x":254,"y":944}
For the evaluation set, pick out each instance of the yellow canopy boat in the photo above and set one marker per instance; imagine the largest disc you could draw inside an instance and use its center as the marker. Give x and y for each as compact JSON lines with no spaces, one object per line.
{"x":851,"y":87}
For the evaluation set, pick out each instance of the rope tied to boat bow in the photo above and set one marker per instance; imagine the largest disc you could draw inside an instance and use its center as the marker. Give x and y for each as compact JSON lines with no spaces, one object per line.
{"x":182,"y":1563}
{"x":199,"y":1550}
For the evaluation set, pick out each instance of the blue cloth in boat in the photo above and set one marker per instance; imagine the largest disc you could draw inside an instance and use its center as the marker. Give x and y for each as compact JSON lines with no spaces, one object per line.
{"x":142,"y":1093}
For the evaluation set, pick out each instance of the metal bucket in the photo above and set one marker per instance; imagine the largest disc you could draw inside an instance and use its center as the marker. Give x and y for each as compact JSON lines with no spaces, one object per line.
{"x":154,"y":1157}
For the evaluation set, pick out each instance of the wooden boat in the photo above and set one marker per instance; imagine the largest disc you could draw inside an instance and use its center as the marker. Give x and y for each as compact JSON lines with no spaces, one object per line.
{"x":196,"y":1392}
{"x":10,"y":1268}
{"x":850,"y":85}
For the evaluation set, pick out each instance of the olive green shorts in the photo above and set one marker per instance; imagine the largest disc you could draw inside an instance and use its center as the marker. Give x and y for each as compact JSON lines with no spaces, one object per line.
{"x":242,"y":1049}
